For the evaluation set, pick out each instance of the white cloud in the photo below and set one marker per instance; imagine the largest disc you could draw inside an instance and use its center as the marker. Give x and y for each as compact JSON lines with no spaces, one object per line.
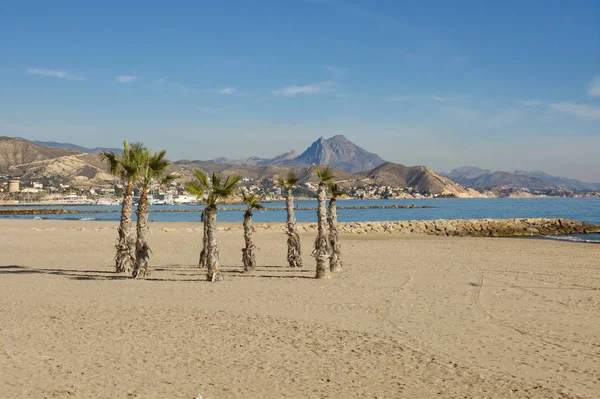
{"x":314,"y":88}
{"x":398,"y":99}
{"x":53,"y":73}
{"x":125,"y":78}
{"x":438,"y":98}
{"x":228,"y":91}
{"x":594,"y":89}
{"x":531,"y":103}
{"x":159,"y":80}
{"x":581,"y":110}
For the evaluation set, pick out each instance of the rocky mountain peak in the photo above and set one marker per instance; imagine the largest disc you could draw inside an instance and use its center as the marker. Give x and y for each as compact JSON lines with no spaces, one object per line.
{"x":339,"y":152}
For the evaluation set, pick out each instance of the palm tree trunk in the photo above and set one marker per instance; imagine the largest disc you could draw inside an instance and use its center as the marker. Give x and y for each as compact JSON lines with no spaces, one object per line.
{"x":212,"y":252}
{"x":202,"y":262}
{"x":125,"y":257}
{"x":294,"y":255}
{"x":142,"y":250}
{"x":335,"y":262}
{"x":321,"y":251}
{"x":248,"y":257}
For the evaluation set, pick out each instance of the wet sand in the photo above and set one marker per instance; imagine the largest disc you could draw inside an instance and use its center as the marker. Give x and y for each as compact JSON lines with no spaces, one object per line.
{"x":409,"y":317}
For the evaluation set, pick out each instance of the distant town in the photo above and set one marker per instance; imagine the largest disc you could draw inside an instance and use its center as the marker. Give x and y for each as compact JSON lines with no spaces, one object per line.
{"x":47,"y":192}
{"x":14,"y":191}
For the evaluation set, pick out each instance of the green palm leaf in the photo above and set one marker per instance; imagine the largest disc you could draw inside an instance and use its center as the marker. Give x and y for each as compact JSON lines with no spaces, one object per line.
{"x":325,"y":175}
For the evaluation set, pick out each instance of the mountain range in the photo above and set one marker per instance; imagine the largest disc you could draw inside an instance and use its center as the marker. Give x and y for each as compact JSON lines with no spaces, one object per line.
{"x":80,"y":166}
{"x":29,"y":160}
{"x":485,"y":179}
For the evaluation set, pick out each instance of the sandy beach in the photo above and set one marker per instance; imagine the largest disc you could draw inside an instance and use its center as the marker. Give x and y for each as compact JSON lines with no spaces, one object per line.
{"x":409,"y":317}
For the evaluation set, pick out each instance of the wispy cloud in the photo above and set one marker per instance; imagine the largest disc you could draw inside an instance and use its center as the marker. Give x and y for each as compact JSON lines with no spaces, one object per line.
{"x":531,"y":103}
{"x":53,"y":73}
{"x":314,"y":88}
{"x":228,"y":91}
{"x":336,"y":71}
{"x":187,"y":89}
{"x":159,"y":80}
{"x":581,"y":110}
{"x":594,"y":89}
{"x":398,"y":99}
{"x":438,"y":98}
{"x":126,"y":78}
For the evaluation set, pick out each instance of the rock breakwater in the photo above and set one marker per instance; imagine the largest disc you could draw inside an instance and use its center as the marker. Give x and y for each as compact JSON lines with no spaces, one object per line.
{"x":462,"y":228}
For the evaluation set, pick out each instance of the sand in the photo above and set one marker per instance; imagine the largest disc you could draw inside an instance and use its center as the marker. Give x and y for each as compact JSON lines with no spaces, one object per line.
{"x":409,"y":317}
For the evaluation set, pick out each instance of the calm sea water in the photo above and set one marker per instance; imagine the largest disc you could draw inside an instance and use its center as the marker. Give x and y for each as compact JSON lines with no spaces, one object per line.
{"x":584,"y":209}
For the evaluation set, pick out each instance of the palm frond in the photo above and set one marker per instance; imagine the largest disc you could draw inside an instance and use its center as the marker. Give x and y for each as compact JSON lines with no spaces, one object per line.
{"x":231,"y":181}
{"x":112,"y":159}
{"x":157,"y":163}
{"x":325,"y":175}
{"x":292,"y":179}
{"x":251,"y":201}
{"x":169,"y":178}
{"x":195,"y":188}
{"x":336,"y":190}
{"x":202,"y":179}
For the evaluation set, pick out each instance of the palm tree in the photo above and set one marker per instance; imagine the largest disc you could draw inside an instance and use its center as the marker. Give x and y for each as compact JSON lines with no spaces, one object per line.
{"x":294,"y":255}
{"x":335,"y":261}
{"x":154,"y":166}
{"x":248,"y":258}
{"x":213,"y":190}
{"x":126,"y":167}
{"x":321,"y":251}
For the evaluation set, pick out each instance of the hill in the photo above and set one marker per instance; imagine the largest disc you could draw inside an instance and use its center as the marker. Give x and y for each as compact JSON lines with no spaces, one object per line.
{"x":15,"y":151}
{"x":421,"y":178}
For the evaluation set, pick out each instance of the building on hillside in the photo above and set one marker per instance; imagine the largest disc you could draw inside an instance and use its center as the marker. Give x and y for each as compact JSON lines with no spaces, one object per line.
{"x":14,"y":186}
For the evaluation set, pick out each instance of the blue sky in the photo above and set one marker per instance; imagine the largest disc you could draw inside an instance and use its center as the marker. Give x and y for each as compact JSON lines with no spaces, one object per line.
{"x":502,"y":85}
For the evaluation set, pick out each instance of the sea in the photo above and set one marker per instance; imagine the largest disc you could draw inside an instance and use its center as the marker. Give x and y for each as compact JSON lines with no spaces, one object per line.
{"x":583,"y":209}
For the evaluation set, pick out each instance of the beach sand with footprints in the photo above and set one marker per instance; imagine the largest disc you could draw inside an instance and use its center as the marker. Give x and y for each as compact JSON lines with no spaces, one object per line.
{"x":409,"y":317}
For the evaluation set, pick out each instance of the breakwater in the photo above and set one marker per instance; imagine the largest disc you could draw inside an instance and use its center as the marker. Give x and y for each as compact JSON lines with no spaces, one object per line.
{"x":522,"y":227}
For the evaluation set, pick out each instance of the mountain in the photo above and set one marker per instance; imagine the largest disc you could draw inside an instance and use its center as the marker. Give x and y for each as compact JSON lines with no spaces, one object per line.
{"x":257,"y":172}
{"x":466,"y":172}
{"x":253,"y":161}
{"x":485,"y":179}
{"x":421,"y":178}
{"x":74,"y":147}
{"x":565,"y":182}
{"x":15,"y":151}
{"x":337,"y":152}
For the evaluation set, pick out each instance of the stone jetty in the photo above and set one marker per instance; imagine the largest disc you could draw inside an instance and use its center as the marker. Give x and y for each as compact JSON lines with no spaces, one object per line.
{"x":459,"y":227}
{"x":475,"y":227}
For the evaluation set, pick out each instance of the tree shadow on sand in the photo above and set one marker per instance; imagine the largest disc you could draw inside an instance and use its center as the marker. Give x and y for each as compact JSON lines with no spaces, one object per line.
{"x":192,"y":272}
{"x":74,"y":273}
